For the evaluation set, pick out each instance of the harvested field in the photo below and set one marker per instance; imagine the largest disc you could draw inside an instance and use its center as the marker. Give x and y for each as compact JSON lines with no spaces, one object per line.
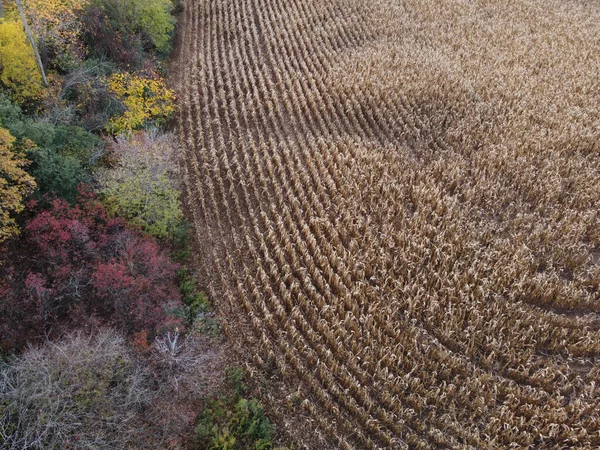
{"x":397,"y":206}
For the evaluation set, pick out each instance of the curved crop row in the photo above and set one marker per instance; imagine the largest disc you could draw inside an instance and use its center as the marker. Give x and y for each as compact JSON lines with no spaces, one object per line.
{"x":396,"y":205}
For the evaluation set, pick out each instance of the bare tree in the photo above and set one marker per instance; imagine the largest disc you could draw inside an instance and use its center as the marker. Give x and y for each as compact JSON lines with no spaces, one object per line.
{"x":83,"y":392}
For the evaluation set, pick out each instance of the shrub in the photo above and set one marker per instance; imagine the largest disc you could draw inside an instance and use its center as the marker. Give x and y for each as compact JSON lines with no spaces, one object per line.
{"x":149,"y":19}
{"x":195,"y":302}
{"x":153,"y":18}
{"x":141,"y":186}
{"x":80,"y":393}
{"x":9,"y":112}
{"x":38,"y":133}
{"x":241,"y":426}
{"x":68,"y":140}
{"x":77,"y":143}
{"x":232,"y":422}
{"x":61,"y":154}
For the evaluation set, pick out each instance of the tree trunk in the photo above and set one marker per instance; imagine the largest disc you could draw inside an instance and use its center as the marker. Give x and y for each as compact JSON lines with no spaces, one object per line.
{"x":38,"y":60}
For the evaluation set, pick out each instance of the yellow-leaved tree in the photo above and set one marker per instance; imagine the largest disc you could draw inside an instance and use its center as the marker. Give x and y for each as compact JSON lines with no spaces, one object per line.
{"x":145,"y":100}
{"x":15,"y":184}
{"x":18,"y":69}
{"x":54,"y":23}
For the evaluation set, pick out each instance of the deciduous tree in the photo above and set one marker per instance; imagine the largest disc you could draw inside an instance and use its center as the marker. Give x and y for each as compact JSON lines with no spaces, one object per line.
{"x":31,"y":40}
{"x":145,"y":99}
{"x":79,"y":393}
{"x":140,"y":186}
{"x":55,"y":26}
{"x":15,"y":184}
{"x":150,"y":18}
{"x":18,"y":69}
{"x":77,"y":262}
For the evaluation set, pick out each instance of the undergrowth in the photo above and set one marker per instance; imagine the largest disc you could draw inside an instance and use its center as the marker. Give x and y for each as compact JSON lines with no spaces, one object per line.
{"x":234,"y":422}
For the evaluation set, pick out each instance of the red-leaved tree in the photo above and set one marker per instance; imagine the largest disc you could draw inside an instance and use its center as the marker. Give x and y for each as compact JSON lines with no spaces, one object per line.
{"x":75,"y":264}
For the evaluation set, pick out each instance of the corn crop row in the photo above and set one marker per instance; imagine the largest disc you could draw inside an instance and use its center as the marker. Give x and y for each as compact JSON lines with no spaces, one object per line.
{"x":397,"y":204}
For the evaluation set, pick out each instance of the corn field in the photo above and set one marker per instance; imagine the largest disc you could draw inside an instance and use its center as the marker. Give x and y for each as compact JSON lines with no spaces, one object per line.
{"x":397,"y":207}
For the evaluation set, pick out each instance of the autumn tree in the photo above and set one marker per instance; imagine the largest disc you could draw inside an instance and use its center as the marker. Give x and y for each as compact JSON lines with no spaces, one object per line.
{"x":31,"y":40}
{"x":150,"y":19}
{"x":77,"y":262}
{"x":146,"y":99}
{"x":15,"y":184}
{"x":56,"y":27}
{"x":18,"y":70}
{"x":141,"y":184}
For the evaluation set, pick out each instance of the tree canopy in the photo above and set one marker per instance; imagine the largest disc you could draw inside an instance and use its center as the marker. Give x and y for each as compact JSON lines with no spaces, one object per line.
{"x":140,"y":186}
{"x":144,"y":98}
{"x":18,"y":70}
{"x":152,"y":18}
{"x":15,"y":183}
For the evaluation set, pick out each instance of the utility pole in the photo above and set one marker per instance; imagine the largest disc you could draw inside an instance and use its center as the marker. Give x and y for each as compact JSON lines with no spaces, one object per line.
{"x":38,"y":60}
